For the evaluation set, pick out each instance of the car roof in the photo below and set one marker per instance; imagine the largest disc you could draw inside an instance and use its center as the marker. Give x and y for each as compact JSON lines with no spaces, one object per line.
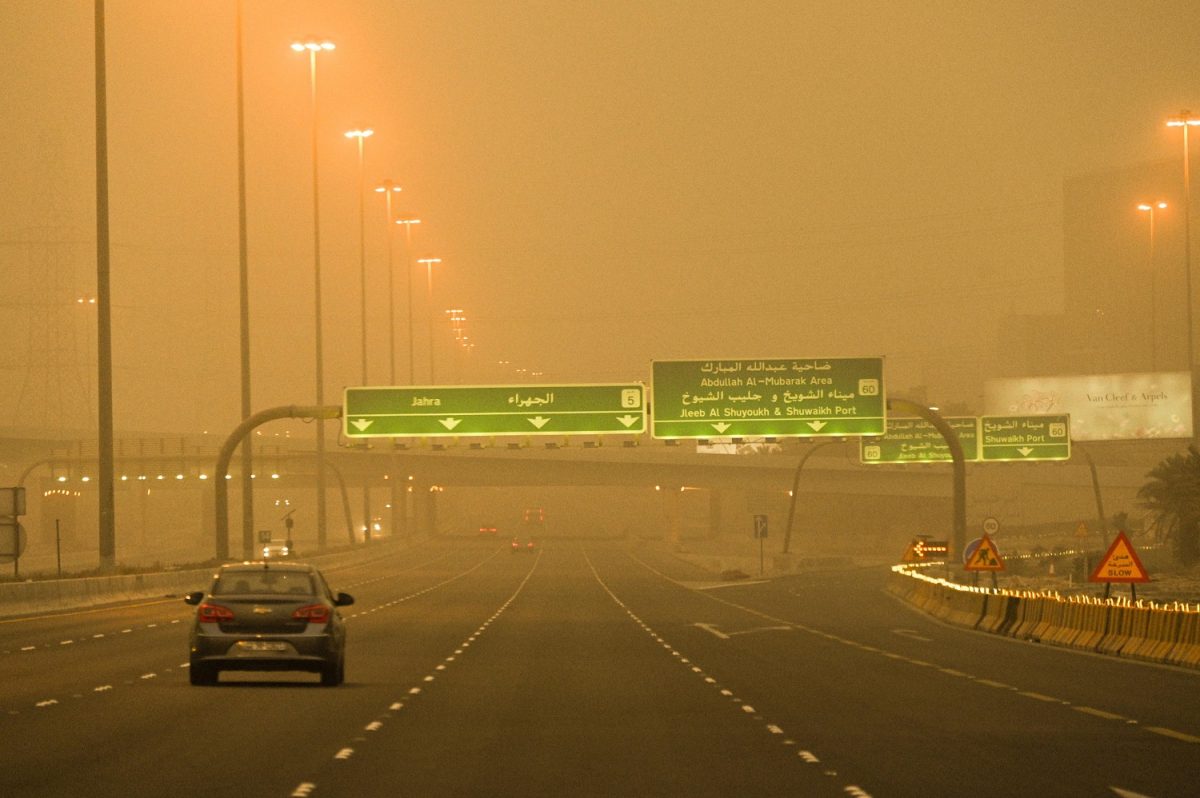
{"x":270,"y":565}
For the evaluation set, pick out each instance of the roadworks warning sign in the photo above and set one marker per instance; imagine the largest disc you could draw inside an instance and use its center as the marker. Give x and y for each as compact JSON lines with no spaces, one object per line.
{"x":985,"y":557}
{"x":1120,"y":564}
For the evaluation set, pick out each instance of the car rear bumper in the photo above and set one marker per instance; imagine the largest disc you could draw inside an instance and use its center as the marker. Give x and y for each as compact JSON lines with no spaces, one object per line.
{"x":290,"y":652}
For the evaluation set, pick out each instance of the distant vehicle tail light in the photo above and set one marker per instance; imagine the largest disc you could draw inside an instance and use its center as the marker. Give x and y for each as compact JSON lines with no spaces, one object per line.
{"x":313,"y":613}
{"x":214,"y":613}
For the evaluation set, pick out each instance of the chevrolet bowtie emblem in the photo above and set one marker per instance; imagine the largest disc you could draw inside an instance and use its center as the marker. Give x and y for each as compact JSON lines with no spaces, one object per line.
{"x":262,"y":610}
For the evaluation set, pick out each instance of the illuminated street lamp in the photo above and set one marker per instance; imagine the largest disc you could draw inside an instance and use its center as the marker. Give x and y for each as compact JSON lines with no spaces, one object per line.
{"x":389,"y":188}
{"x":1150,"y":208}
{"x":313,"y":47}
{"x":408,"y":221}
{"x":1185,"y":120}
{"x":428,"y":263}
{"x":361,"y":136}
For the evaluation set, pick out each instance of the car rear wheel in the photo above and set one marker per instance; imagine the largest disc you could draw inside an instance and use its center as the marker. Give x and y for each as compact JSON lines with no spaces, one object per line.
{"x":201,"y":674}
{"x":333,"y":673}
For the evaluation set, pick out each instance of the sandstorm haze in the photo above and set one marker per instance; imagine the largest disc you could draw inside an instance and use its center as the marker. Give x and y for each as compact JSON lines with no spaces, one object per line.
{"x":606,"y":184}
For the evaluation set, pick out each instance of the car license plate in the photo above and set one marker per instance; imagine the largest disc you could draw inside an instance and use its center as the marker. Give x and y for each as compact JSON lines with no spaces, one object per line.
{"x":261,"y":645}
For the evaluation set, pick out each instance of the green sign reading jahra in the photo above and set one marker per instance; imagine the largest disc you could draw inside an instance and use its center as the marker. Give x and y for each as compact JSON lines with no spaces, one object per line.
{"x":915,"y":440}
{"x":1021,"y":438}
{"x":453,"y":411}
{"x":792,"y":397}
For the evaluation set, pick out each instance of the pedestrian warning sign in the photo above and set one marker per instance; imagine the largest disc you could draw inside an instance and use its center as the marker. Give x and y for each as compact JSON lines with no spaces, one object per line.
{"x":985,"y":557}
{"x":1120,"y":564}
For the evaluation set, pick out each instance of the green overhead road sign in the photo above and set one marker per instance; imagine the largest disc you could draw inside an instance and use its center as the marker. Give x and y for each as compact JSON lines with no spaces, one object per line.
{"x":480,"y":410}
{"x":793,"y":397}
{"x":915,"y":440}
{"x":1021,"y":438}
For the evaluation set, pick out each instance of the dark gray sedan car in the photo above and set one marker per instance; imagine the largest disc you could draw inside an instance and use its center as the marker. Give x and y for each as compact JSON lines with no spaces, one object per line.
{"x":268,"y":616}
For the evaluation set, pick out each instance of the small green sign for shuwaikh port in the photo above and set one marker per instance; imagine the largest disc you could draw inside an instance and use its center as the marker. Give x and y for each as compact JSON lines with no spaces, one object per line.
{"x":1024,"y":438}
{"x":483,"y":410}
{"x":782,"y":397}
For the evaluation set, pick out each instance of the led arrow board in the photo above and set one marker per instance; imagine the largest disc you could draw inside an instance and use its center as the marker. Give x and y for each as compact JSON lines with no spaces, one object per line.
{"x":1021,"y":438}
{"x":454,"y":411}
{"x":741,"y":398}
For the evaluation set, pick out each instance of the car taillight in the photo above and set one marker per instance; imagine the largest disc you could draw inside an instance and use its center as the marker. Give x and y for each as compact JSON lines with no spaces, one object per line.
{"x":313,"y":613}
{"x":214,"y":613}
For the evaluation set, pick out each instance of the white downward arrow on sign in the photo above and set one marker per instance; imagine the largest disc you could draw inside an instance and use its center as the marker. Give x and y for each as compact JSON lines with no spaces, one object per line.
{"x":361,"y":424}
{"x":628,"y":421}
{"x":1025,"y":451}
{"x":720,"y":427}
{"x":449,"y":423}
{"x":816,"y":425}
{"x":538,"y":421}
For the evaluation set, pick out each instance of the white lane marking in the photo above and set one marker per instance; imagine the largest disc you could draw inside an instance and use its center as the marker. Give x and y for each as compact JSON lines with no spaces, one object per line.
{"x":98,"y":636}
{"x":711,"y":628}
{"x":855,"y":791}
{"x":396,"y":706}
{"x":102,"y":688}
{"x":1187,"y":738}
{"x":912,"y":634}
{"x":28,"y":648}
{"x":151,"y":625}
{"x":429,"y":678}
{"x":414,"y":691}
{"x":774,"y":729}
{"x":148,"y":675}
{"x":126,"y":631}
{"x":1127,"y":793}
{"x":440,"y":668}
{"x":47,"y":703}
{"x":726,"y":692}
{"x":1000,"y":685}
{"x":345,"y":753}
{"x":1100,"y":713}
{"x":374,"y":726}
{"x":1040,"y":697}
{"x":808,"y":756}
{"x":952,"y":672}
{"x":747,"y":709}
{"x":66,"y":642}
{"x":303,"y":790}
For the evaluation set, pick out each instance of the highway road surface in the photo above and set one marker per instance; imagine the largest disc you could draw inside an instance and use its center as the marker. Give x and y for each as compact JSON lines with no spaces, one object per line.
{"x":590,"y":668}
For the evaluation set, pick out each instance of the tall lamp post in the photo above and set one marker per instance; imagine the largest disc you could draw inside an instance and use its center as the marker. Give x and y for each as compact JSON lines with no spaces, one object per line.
{"x":429,"y":263}
{"x":387,"y":189}
{"x":360,"y":136}
{"x":313,"y":47}
{"x":1186,"y":121}
{"x":408,"y":221}
{"x":1150,"y":208}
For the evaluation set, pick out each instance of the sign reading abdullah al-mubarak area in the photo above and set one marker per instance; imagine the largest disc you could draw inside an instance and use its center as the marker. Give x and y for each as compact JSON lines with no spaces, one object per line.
{"x":1022,"y":438}
{"x":915,"y":440}
{"x":461,"y":410}
{"x":792,"y":397}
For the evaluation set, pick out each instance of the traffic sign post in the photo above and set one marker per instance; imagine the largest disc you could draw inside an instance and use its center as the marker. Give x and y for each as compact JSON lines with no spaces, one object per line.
{"x":1025,"y":438}
{"x":485,"y":410}
{"x":773,"y":398}
{"x":915,"y":440}
{"x":760,"y":532}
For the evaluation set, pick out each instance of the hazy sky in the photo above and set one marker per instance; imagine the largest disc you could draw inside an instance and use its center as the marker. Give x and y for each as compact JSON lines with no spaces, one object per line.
{"x":607,"y":183}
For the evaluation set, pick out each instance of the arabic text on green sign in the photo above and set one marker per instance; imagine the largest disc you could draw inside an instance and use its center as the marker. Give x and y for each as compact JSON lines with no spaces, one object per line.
{"x":782,"y":397}
{"x":484,"y":410}
{"x":1022,"y":438}
{"x":915,"y":440}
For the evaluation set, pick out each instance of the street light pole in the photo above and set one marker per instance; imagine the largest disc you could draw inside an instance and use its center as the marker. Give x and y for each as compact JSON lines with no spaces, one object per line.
{"x":387,"y":189}
{"x":429,"y":262}
{"x":1186,"y":121}
{"x":408,"y":222}
{"x":361,"y":136}
{"x":312,"y":47}
{"x":1147,"y":207}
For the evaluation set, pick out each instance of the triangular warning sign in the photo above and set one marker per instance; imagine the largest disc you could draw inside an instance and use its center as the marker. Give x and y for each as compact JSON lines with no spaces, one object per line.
{"x":985,"y":558}
{"x":1120,"y":564}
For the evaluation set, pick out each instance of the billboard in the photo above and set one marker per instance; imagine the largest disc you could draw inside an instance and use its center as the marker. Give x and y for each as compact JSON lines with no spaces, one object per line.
{"x":1103,"y":407}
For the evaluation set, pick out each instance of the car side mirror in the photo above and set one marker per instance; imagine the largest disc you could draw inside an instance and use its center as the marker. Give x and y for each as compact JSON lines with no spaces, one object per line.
{"x":194,"y":598}
{"x":343,"y":600}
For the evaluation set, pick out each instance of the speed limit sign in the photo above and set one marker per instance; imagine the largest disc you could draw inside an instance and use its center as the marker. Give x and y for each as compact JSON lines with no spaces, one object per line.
{"x":991,"y":526}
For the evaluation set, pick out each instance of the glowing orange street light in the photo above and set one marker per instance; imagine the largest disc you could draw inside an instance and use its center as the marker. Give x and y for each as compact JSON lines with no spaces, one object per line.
{"x":1150,"y":208}
{"x":1185,"y":120}
{"x":428,"y":263}
{"x":408,"y":222}
{"x":313,"y":47}
{"x":361,"y":135}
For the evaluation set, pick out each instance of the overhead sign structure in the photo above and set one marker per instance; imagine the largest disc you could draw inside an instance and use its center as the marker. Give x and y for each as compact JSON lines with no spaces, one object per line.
{"x":1120,"y":564}
{"x":485,"y":410}
{"x":773,"y":398}
{"x":1024,"y":438}
{"x":983,"y":557}
{"x":915,"y":440}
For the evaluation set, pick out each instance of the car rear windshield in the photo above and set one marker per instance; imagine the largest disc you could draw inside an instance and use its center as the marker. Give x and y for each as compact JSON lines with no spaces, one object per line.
{"x":262,"y":581}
